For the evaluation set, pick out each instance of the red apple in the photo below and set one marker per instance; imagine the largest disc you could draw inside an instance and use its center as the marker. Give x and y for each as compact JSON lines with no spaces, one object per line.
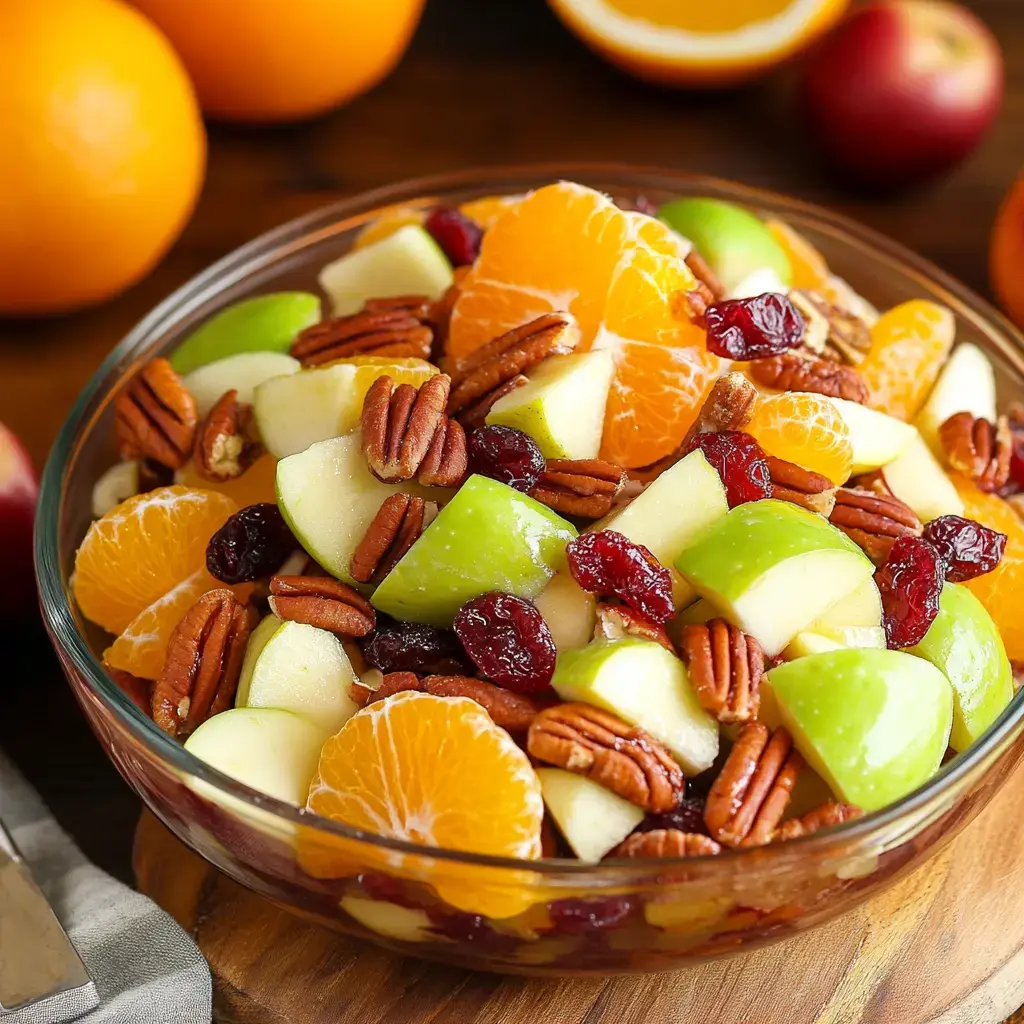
{"x":18,"y":491}
{"x":902,"y":90}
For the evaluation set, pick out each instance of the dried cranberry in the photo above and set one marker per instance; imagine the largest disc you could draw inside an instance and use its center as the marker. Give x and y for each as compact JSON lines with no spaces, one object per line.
{"x":377,"y":886}
{"x":507,"y":455}
{"x":644,"y":205}
{"x":252,"y":544}
{"x":508,"y":640}
{"x":740,"y":461}
{"x":754,"y":328}
{"x":687,"y":817}
{"x":414,"y":647}
{"x":910,"y":583}
{"x":457,"y":235}
{"x":609,"y":563}
{"x":472,"y":929}
{"x":966,"y":548}
{"x":1017,"y":458}
{"x":578,"y":917}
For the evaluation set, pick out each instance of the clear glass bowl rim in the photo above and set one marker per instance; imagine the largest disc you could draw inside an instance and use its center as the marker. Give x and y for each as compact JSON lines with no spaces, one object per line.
{"x":245,"y":260}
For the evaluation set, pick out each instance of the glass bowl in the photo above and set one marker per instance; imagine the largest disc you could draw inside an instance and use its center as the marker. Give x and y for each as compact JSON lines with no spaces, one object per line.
{"x":544,"y":917}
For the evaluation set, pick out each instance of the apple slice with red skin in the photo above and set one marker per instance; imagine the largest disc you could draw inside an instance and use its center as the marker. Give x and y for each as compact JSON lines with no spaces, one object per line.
{"x":19,"y":488}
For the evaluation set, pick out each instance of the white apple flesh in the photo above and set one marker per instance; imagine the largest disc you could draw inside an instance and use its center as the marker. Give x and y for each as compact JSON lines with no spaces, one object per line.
{"x":569,"y":611}
{"x":19,"y":490}
{"x":393,"y":921}
{"x":117,"y":484}
{"x":242,"y":373}
{"x":877,"y":439}
{"x":967,"y":383}
{"x":916,"y":478}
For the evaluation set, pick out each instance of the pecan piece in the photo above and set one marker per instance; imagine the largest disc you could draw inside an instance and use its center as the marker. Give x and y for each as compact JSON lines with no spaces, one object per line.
{"x":792,"y":371}
{"x":616,"y":621}
{"x":321,"y":601}
{"x":705,"y":275}
{"x":750,"y":794}
{"x":477,"y":375}
{"x":398,"y":327}
{"x":579,"y":487}
{"x":873,"y":521}
{"x":204,"y":661}
{"x":815,"y":324}
{"x":729,"y":406}
{"x":586,"y":740}
{"x":849,"y":335}
{"x":406,"y":433}
{"x":666,"y":842}
{"x":395,"y":528}
{"x":474,"y":416}
{"x":726,"y":667}
{"x":978,"y":448}
{"x":825,"y":816}
{"x":441,"y":313}
{"x":226,"y":442}
{"x":800,"y":486}
{"x":155,"y":416}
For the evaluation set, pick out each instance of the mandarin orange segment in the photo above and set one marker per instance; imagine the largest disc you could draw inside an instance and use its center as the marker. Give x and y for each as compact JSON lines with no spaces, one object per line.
{"x":806,"y":429}
{"x":909,"y":345}
{"x":810,"y":271}
{"x":256,"y":485}
{"x":388,"y":223}
{"x":142,"y":549}
{"x":489,"y":209}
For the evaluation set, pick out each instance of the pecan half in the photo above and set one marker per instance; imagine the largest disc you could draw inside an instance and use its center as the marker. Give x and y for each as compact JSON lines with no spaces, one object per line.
{"x":666,"y":842}
{"x":726,"y":667}
{"x":616,"y":621}
{"x":873,"y":520}
{"x":321,"y":601}
{"x":475,"y":416}
{"x":750,"y":794}
{"x":792,"y":371}
{"x":398,"y":327}
{"x":800,"y":486}
{"x":978,"y":448}
{"x":825,"y":816}
{"x":848,"y":337}
{"x":729,"y":406}
{"x":586,"y":740}
{"x":226,"y":442}
{"x":155,"y":416}
{"x":406,"y":433}
{"x":482,"y":372}
{"x":579,"y":487}
{"x":705,"y":275}
{"x":204,"y":661}
{"x":441,"y":313}
{"x":815,"y":324}
{"x":395,"y":528}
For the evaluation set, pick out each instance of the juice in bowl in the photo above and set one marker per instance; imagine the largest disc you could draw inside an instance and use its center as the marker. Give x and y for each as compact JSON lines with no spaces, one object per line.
{"x":552,"y":572}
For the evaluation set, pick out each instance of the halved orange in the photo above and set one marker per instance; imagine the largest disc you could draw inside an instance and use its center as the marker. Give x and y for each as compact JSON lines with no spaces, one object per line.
{"x":142,"y":549}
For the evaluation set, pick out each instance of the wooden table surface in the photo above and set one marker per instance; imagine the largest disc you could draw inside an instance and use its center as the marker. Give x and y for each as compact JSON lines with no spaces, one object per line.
{"x":483,"y":83}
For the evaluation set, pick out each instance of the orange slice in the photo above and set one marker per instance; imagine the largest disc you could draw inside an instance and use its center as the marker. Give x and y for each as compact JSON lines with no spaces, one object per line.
{"x":806,"y":429}
{"x":142,"y":549}
{"x":256,"y":485}
{"x":810,"y":271}
{"x":909,"y":344}
{"x":489,"y":209}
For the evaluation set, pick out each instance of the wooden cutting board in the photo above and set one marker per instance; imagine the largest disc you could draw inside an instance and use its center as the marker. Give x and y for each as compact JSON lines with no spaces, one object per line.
{"x":944,"y":946}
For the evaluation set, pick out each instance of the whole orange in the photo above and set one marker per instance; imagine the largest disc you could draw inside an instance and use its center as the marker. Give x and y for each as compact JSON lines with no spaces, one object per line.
{"x":102,"y":151}
{"x":278,"y":60}
{"x":1006,"y":253}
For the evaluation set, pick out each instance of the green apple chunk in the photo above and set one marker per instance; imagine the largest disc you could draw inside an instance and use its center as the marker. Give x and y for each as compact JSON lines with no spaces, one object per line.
{"x":862,"y":606}
{"x":965,"y":644}
{"x":393,"y":921}
{"x":258,"y":639}
{"x":305,"y":670}
{"x":593,"y":819}
{"x":757,"y":282}
{"x":873,"y":724}
{"x":569,"y":611}
{"x":562,"y":405}
{"x":771,"y":568}
{"x":274,"y":751}
{"x":263,"y":323}
{"x":241,"y":373}
{"x":877,"y":439}
{"x":806,"y":643}
{"x":488,"y":537}
{"x":409,"y":262}
{"x":733,"y":241}
{"x":967,"y":383}
{"x":647,"y":686}
{"x":917,"y":478}
{"x":669,"y":514}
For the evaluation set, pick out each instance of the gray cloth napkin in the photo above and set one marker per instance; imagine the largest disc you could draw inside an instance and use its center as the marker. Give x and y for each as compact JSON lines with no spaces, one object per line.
{"x":146,"y":969}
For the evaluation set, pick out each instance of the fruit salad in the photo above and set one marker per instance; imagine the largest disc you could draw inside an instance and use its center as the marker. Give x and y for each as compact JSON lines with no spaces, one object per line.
{"x":639,"y":518}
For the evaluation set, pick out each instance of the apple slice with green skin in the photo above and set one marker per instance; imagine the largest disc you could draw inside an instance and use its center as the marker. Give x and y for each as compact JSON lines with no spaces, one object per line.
{"x":758,"y":282}
{"x":393,"y":921}
{"x":964,"y":643}
{"x":562,"y":405}
{"x":265,"y":323}
{"x":265,"y":629}
{"x":771,"y":568}
{"x":877,"y":439}
{"x":805,"y":644}
{"x":670,"y":513}
{"x":569,"y":611}
{"x":408,"y":262}
{"x":916,"y":478}
{"x":733,"y":241}
{"x":593,"y":819}
{"x":488,"y":537}
{"x":647,"y":686}
{"x":873,"y":724}
{"x":305,"y":670}
{"x":241,"y":373}
{"x":967,"y":383}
